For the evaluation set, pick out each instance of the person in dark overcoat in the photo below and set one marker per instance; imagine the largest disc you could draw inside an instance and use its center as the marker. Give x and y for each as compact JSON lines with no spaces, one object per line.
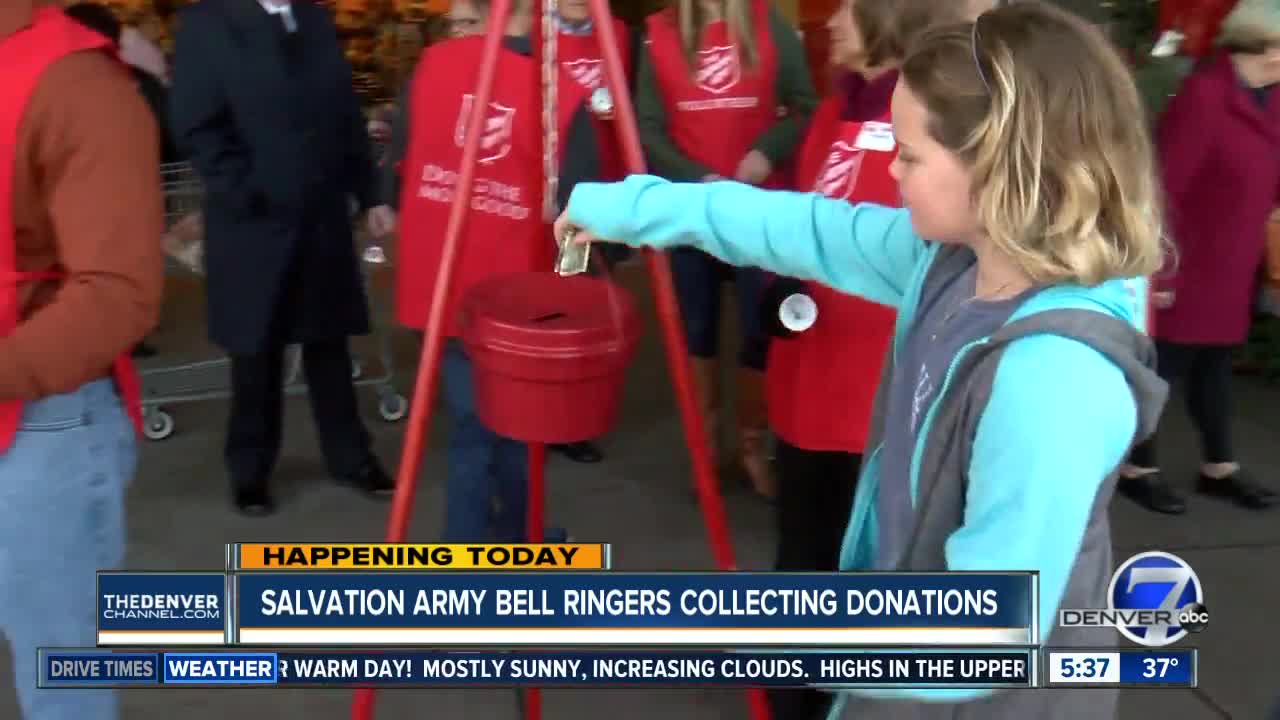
{"x":262,"y":102}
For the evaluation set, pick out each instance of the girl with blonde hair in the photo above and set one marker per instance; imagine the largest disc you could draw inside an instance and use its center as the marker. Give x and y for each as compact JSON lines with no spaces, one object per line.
{"x":723,"y":91}
{"x":1018,"y":376}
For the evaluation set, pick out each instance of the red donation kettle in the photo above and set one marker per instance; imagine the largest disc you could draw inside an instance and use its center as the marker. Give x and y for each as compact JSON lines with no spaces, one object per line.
{"x":549,"y":354}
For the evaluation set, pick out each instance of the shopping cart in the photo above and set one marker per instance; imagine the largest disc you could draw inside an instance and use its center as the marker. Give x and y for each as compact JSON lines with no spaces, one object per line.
{"x":167,"y":385}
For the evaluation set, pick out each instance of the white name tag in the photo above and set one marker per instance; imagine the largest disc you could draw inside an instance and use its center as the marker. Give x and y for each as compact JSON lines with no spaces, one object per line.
{"x":876,"y":136}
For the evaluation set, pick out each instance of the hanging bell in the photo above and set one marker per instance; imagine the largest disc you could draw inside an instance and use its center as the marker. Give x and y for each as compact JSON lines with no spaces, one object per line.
{"x":374,"y":255}
{"x":602,"y":102}
{"x":798,"y":312}
{"x":1168,"y":45}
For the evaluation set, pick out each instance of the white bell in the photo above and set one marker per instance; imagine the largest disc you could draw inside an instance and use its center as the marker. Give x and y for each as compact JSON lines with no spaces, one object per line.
{"x":374,"y":255}
{"x":798,"y":312}
{"x":1168,"y":44}
{"x":601,"y":101}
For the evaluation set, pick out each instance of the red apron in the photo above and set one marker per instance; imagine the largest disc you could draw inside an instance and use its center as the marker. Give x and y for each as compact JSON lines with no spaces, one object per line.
{"x":25,"y":56}
{"x":716,"y":113}
{"x":583,"y":65}
{"x":820,"y":383}
{"x":505,"y":230}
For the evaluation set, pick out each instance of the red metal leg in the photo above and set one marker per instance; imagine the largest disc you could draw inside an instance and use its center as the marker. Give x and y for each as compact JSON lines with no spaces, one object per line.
{"x":536,"y":509}
{"x":668,"y":310}
{"x":537,"y":491}
{"x":695,"y":433}
{"x":425,"y":384}
{"x":668,"y":313}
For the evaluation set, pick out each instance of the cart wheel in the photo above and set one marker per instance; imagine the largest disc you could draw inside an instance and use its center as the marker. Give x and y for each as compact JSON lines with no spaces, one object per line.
{"x":357,"y":368}
{"x":393,"y":407}
{"x":157,"y":425}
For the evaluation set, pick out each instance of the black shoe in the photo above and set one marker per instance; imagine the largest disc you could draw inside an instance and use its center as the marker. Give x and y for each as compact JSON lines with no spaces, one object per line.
{"x":254,"y":501}
{"x":1238,"y":488}
{"x":1152,"y":493}
{"x":580,"y":452}
{"x":143,"y":351}
{"x":371,"y":480}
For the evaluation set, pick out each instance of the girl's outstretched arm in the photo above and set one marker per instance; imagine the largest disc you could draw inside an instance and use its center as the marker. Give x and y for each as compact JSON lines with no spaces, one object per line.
{"x":864,"y":250}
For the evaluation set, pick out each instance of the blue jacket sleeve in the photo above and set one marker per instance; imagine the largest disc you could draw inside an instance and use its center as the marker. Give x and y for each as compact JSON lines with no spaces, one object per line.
{"x":1034,"y":475}
{"x":864,"y":250}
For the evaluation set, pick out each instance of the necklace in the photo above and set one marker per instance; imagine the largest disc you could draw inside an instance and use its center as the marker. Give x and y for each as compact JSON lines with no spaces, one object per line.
{"x":946,"y":319}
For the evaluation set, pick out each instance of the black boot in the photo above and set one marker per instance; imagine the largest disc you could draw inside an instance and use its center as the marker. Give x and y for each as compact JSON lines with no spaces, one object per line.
{"x":1152,"y":493}
{"x":252,"y":499}
{"x":370,"y":479}
{"x":1237,"y":488}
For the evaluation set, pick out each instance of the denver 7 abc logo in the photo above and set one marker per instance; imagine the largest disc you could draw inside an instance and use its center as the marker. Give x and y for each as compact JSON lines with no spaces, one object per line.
{"x":1155,"y":600}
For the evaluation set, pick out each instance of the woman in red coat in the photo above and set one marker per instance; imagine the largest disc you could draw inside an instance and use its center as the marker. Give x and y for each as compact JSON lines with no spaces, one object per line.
{"x":1219,"y":145}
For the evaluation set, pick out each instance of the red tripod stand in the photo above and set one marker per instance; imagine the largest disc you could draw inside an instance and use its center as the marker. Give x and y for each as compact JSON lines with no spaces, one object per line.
{"x":668,"y":313}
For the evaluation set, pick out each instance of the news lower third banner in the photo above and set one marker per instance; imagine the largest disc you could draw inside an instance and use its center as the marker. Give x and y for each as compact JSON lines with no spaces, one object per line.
{"x":831,"y":669}
{"x":629,"y":609}
{"x":580,"y":609}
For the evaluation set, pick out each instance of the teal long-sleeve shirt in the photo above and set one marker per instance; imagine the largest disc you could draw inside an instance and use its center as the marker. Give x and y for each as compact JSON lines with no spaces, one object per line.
{"x":1042,"y":450}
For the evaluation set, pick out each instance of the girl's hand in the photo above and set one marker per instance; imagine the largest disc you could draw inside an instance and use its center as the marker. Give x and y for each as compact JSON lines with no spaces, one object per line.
{"x":711,"y":178}
{"x":563,"y":227}
{"x":1162,"y":300}
{"x":754,"y":169}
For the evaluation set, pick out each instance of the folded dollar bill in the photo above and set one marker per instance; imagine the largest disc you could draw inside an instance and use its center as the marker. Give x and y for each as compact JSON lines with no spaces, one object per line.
{"x":574,"y":258}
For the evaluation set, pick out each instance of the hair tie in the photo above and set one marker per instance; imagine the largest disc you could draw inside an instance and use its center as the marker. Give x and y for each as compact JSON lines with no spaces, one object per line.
{"x":977,"y":63}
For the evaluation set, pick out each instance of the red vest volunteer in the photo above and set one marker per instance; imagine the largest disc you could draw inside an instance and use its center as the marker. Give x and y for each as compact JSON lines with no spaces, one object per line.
{"x":821,"y":382}
{"x":26,"y":55}
{"x":716,"y":115}
{"x":81,"y":277}
{"x":506,"y":231}
{"x":582,"y":64}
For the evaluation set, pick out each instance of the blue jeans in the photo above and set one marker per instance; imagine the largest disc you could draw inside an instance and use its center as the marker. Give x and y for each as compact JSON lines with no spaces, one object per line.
{"x":697,"y":277}
{"x":487,"y":490}
{"x":62,"y":491}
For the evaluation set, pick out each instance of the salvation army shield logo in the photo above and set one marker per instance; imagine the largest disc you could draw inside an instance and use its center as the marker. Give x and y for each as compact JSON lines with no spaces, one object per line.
{"x":718,"y":69}
{"x":840,"y":171}
{"x":587,"y":72}
{"x":495,"y":133}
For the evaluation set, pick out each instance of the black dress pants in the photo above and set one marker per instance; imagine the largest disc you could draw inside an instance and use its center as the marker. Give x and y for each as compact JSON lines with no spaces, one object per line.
{"x":1207,"y":372}
{"x":257,"y":409}
{"x":815,"y":494}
